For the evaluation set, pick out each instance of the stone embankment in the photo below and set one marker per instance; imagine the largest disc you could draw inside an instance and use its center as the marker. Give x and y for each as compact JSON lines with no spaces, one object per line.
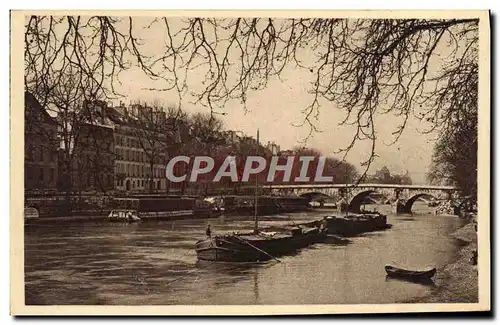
{"x":458,"y":281}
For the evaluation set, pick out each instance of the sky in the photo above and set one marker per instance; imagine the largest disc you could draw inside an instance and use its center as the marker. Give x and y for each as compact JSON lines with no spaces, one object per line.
{"x":277,"y":110}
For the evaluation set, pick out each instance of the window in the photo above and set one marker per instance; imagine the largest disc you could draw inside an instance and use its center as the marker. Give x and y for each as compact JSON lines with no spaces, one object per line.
{"x":40,"y":176}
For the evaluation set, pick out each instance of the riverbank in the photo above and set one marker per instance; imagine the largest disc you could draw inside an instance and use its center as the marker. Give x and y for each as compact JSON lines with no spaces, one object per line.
{"x":90,"y":208}
{"x":458,"y":281}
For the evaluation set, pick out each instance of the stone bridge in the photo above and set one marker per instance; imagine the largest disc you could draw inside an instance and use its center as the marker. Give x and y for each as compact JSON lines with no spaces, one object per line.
{"x":350,"y":197}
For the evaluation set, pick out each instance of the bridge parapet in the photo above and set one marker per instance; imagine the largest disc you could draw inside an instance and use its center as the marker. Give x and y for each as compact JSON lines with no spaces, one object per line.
{"x":351,"y":196}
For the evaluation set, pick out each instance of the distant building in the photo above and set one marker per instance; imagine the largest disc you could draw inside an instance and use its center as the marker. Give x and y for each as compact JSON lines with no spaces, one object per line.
{"x":41,"y":146}
{"x":286,"y":153}
{"x":140,"y":148}
{"x":273,"y":148}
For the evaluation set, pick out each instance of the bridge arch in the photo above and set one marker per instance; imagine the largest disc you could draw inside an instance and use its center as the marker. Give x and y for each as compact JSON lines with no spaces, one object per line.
{"x":355,"y":203}
{"x":314,"y":195}
{"x":411,"y":200}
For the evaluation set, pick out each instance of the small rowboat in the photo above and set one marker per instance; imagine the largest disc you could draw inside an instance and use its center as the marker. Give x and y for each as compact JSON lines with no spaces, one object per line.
{"x":396,"y":272}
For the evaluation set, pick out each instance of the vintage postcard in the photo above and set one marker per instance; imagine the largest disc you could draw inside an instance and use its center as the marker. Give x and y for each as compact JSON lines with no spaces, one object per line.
{"x":249,"y":163}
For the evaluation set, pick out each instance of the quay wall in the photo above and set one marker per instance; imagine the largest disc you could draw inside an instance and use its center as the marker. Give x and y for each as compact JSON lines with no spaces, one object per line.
{"x":93,"y":206}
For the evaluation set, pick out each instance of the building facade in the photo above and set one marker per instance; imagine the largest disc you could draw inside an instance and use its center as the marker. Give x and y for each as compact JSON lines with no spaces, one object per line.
{"x":41,"y":147}
{"x":140,"y":148}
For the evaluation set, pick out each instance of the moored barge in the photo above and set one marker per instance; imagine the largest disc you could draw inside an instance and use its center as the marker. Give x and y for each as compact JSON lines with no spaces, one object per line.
{"x":355,"y":224}
{"x":263,"y":245}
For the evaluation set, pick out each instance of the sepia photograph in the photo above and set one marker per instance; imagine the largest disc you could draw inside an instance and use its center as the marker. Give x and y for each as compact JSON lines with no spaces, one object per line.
{"x":238,"y":162}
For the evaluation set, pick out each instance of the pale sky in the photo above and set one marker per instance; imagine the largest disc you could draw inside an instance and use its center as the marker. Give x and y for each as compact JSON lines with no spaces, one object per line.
{"x":274,"y":111}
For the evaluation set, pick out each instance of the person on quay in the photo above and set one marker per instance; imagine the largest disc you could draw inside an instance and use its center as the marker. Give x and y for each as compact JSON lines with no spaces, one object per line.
{"x":208,"y":231}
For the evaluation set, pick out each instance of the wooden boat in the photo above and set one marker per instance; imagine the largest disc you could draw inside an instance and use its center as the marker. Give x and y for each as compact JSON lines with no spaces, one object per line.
{"x":396,"y":272}
{"x":31,"y":213}
{"x":355,"y":224}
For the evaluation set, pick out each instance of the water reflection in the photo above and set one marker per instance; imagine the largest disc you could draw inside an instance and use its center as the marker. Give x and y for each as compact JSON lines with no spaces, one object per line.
{"x":425,"y":281}
{"x":154,"y":263}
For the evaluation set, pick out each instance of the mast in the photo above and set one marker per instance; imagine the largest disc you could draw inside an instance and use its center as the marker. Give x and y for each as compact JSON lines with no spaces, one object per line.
{"x":347,"y":190}
{"x":256,"y":221}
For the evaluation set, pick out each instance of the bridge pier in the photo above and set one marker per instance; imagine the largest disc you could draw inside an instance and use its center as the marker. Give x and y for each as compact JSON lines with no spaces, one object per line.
{"x":447,"y":207}
{"x":342,"y":206}
{"x":399,"y":207}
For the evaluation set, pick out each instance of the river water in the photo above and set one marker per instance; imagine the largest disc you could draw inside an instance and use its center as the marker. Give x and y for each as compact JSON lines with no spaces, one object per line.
{"x":153,"y":263}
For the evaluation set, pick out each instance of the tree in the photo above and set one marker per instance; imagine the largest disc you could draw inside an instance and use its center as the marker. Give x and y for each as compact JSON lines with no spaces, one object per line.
{"x":454,"y":160}
{"x":156,"y":128}
{"x":383,"y":175}
{"x":363,"y":67}
{"x":206,"y":137}
{"x":206,"y":131}
{"x":341,"y":171}
{"x":85,"y":147}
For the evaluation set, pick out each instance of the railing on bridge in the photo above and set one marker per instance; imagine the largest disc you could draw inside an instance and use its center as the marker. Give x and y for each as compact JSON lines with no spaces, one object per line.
{"x":363,"y":185}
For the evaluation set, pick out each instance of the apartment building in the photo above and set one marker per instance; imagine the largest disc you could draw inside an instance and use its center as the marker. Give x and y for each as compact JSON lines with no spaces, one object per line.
{"x":41,"y":146}
{"x":140,"y":147}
